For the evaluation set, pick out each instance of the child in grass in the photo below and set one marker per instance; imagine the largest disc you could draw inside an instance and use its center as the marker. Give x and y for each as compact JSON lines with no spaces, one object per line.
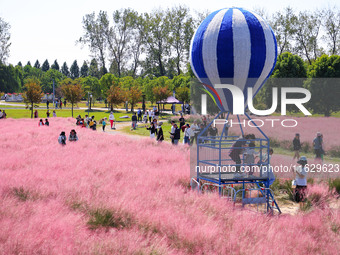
{"x":62,"y":138}
{"x":104,"y":123}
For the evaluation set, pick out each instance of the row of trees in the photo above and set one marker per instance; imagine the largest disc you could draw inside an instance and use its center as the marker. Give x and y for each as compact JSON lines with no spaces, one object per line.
{"x":115,"y":90}
{"x":158,"y":43}
{"x":319,"y":78}
{"x":129,"y":43}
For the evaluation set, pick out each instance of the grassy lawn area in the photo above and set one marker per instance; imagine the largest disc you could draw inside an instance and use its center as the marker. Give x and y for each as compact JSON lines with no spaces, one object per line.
{"x":141,"y":130}
{"x":98,"y":104}
{"x":281,"y":151}
{"x":24,"y":113}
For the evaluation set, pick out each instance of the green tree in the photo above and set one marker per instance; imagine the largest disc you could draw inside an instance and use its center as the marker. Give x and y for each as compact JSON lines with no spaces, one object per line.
{"x":289,"y":66}
{"x":290,"y":71}
{"x":181,"y":33}
{"x":64,"y":70}
{"x":72,"y":91}
{"x":32,"y":94}
{"x":55,"y":65}
{"x":307,"y":28}
{"x":181,"y":81}
{"x":283,"y":26}
{"x":28,"y":63}
{"x":92,"y":85}
{"x":325,"y":92}
{"x":84,"y":70}
{"x":19,"y":64}
{"x":48,"y":78}
{"x":94,"y":35}
{"x":9,"y":82}
{"x":74,"y":70}
{"x":46,"y":66}
{"x":37,"y":64}
{"x":106,"y":81}
{"x":183,"y":94}
{"x":5,"y":36}
{"x":94,"y":71}
{"x":331,"y":25}
{"x":157,"y":42}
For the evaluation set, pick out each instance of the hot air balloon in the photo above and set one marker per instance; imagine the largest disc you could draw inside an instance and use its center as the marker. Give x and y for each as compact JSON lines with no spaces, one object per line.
{"x":237,"y":47}
{"x":233,"y":46}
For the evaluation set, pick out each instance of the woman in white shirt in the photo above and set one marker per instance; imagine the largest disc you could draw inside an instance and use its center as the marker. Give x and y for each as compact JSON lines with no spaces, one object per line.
{"x":301,"y":181}
{"x":111,"y":119}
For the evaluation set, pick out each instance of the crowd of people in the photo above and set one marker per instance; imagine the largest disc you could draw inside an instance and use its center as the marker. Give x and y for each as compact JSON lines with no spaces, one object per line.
{"x":58,"y":103}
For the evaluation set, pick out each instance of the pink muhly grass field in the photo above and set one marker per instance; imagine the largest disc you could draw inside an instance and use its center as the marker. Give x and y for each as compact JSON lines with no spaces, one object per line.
{"x":50,"y":196}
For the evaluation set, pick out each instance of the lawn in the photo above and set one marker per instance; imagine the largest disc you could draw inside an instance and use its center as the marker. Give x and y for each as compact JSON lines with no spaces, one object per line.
{"x":24,"y":113}
{"x":110,"y":194}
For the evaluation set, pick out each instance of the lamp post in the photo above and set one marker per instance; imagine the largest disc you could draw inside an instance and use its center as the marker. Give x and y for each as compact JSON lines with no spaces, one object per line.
{"x":143,"y":104}
{"x":89,"y":95}
{"x":90,"y":100}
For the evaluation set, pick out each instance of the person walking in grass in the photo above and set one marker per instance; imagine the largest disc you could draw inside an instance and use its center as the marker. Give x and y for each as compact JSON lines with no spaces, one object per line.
{"x":150,"y":115}
{"x":47,"y":104}
{"x":104,"y":124}
{"x":160,"y":136}
{"x":54,"y":114}
{"x":134,"y":121}
{"x":48,"y":113}
{"x":301,"y":181}
{"x":317,"y":144}
{"x":172,"y":131}
{"x":296,"y":146}
{"x":139,"y":114}
{"x":111,"y":119}
{"x":145,"y":117}
{"x":36,"y":115}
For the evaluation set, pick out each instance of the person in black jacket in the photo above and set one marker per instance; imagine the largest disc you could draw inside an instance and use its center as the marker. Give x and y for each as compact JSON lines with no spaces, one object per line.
{"x":160,"y":136}
{"x":176,"y":134}
{"x":134,"y":121}
{"x":296,"y":146}
{"x":153,"y":130}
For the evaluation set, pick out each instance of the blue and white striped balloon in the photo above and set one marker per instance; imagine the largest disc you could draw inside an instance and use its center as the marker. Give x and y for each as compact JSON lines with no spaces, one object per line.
{"x":233,"y":46}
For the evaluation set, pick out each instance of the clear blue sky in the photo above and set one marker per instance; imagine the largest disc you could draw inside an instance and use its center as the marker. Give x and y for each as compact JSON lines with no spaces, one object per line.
{"x":43,"y":29}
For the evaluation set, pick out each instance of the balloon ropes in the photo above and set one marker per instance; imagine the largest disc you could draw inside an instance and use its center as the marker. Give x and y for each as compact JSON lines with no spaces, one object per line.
{"x":237,"y":47}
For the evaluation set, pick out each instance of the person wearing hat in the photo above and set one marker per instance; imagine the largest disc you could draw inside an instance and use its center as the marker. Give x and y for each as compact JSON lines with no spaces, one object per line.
{"x":296,"y":146}
{"x":317,"y":144}
{"x":160,"y":136}
{"x":301,"y":181}
{"x":62,"y":138}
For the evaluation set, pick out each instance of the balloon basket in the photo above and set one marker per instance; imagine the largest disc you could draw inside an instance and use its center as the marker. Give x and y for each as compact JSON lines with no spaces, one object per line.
{"x":232,"y":159}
